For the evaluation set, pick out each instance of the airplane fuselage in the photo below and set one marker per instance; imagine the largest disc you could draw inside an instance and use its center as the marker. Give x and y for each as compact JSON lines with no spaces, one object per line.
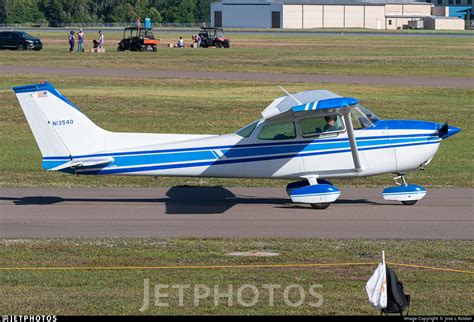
{"x":389,"y":147}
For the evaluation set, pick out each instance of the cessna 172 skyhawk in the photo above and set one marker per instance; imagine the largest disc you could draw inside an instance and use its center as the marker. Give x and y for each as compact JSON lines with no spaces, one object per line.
{"x":311,"y":136}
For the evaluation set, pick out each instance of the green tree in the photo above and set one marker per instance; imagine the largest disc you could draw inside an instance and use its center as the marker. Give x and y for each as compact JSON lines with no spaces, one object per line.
{"x":203,"y":10}
{"x":179,"y":11}
{"x":57,"y":12}
{"x":122,"y":13}
{"x":153,"y":14}
{"x":146,"y":9}
{"x":3,"y":11}
{"x":22,"y":11}
{"x":53,"y":11}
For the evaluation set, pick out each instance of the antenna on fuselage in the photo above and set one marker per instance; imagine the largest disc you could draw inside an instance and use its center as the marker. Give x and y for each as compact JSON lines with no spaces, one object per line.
{"x":290,"y":95}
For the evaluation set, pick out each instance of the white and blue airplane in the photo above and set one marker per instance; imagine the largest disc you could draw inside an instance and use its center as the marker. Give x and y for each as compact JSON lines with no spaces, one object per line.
{"x":311,"y":136}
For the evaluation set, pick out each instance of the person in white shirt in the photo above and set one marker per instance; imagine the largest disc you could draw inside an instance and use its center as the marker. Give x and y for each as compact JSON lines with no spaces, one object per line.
{"x":101,"y":39}
{"x":180,"y":42}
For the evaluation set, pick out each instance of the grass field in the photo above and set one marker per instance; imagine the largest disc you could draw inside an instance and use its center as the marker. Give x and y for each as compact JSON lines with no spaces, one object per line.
{"x":277,"y":53}
{"x":121,"y":291}
{"x":217,"y":107}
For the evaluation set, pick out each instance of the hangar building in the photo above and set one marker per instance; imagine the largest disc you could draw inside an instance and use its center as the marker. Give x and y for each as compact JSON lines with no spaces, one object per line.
{"x":303,"y":14}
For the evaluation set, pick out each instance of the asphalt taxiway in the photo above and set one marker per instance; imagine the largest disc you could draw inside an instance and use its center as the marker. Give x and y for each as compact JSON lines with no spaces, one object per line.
{"x":229,"y":212}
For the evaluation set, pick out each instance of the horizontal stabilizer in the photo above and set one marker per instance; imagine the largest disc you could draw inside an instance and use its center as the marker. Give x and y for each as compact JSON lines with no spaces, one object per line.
{"x":79,"y":163}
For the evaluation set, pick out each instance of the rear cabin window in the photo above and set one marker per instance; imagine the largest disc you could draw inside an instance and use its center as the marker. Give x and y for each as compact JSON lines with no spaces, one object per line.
{"x":278,"y":131}
{"x":322,"y":125}
{"x":247,"y":130}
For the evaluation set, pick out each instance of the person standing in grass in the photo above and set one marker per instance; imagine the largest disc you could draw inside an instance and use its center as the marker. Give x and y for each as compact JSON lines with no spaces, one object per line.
{"x":80,"y":41}
{"x":101,"y":39}
{"x":197,"y":39}
{"x":72,"y":41}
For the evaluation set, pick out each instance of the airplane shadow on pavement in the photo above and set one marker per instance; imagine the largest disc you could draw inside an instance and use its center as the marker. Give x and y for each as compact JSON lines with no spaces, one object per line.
{"x":178,"y":200}
{"x":181,"y":200}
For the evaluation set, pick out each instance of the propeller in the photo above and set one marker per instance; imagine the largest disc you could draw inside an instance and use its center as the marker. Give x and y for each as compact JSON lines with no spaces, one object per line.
{"x":443,"y":130}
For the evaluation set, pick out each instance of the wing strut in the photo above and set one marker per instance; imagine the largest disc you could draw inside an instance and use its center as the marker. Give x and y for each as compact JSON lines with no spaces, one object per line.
{"x":352,"y":141}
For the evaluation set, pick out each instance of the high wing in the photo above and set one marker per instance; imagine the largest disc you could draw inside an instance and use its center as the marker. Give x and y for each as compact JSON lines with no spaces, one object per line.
{"x":307,"y":101}
{"x":318,"y":102}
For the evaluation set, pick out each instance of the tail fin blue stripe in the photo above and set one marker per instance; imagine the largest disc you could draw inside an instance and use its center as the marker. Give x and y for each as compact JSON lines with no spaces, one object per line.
{"x":43,"y":87}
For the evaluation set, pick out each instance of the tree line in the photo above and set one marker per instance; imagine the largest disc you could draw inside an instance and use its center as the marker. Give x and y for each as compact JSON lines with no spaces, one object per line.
{"x":56,"y":12}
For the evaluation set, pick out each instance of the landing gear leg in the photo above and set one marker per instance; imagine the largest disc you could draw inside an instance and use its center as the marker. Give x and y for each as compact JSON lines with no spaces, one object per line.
{"x":400,"y":177}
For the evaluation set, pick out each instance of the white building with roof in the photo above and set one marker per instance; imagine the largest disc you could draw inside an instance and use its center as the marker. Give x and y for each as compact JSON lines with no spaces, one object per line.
{"x":307,"y":14}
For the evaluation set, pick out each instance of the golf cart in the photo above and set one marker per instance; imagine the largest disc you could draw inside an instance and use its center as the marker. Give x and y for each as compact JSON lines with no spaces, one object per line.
{"x":213,"y":37}
{"x":138,"y":39}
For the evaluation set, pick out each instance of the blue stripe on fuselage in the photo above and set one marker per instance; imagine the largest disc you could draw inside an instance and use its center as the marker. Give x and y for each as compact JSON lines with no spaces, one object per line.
{"x":253,"y":151}
{"x":240,"y":146}
{"x":238,"y":160}
{"x":120,"y":161}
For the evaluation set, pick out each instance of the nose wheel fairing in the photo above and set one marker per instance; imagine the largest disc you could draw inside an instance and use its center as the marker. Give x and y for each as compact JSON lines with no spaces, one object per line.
{"x":404,"y":193}
{"x":407,"y":194}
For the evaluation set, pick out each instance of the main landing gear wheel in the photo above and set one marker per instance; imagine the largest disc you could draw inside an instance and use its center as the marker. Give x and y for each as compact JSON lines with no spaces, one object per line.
{"x":320,"y":205}
{"x":409,"y":203}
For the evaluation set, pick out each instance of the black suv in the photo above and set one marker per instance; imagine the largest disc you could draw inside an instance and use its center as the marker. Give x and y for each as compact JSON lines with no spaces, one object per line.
{"x":19,"y":40}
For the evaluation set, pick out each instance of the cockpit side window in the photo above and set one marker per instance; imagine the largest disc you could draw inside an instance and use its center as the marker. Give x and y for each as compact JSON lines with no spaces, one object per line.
{"x":322,"y":125}
{"x":247,"y":130}
{"x":278,"y":131}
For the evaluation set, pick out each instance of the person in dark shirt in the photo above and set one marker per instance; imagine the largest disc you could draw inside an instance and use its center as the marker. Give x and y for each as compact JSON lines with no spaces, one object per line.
{"x":72,"y":40}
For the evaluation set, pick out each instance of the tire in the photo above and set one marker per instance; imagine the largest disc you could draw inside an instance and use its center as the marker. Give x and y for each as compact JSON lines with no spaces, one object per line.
{"x":155,"y":49}
{"x":20,"y":47}
{"x":409,"y":202}
{"x":320,"y":206}
{"x":218,"y":45}
{"x":119,"y":48}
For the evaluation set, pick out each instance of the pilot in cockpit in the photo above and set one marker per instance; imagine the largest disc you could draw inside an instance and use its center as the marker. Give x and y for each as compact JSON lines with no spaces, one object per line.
{"x":330,"y":126}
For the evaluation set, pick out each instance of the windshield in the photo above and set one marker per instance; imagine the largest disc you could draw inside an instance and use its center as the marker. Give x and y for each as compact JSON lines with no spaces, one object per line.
{"x":25,"y":35}
{"x":371,"y":116}
{"x":360,"y":119}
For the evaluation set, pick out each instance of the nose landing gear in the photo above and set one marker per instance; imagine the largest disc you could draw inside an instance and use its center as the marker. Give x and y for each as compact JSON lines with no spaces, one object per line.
{"x":407,"y":194}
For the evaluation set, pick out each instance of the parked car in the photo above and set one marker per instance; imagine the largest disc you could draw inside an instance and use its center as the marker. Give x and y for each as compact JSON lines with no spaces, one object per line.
{"x":19,"y":40}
